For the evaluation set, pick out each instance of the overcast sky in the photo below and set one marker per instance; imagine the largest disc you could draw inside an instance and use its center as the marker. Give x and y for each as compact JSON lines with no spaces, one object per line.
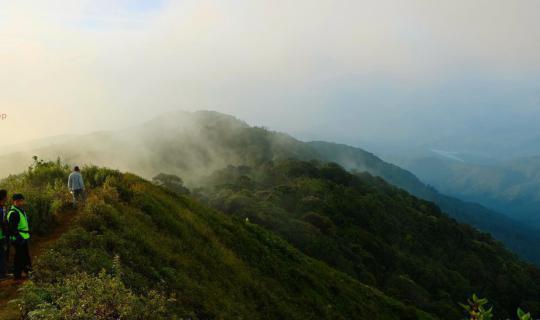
{"x":381,"y":71}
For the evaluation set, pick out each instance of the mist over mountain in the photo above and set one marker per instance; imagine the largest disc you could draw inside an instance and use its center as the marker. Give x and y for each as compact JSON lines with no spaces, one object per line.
{"x":194,"y":145}
{"x":188,"y":144}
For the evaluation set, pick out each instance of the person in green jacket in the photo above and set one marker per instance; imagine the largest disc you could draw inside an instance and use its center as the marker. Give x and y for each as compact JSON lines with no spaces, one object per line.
{"x":19,"y":234}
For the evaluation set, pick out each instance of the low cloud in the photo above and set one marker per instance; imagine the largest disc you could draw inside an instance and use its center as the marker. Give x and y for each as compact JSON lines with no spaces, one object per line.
{"x":300,"y":66}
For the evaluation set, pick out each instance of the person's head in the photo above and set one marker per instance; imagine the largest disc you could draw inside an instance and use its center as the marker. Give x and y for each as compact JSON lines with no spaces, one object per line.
{"x":77,"y":169}
{"x":3,"y":196}
{"x":18,"y":200}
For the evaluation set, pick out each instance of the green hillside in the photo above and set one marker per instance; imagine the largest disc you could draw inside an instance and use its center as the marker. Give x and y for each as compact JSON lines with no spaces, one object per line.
{"x":377,"y":234}
{"x":138,"y":251}
{"x":522,"y":238}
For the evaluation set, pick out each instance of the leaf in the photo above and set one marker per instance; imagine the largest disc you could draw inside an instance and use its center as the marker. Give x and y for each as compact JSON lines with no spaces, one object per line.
{"x":522,"y":315}
{"x":466,"y":307}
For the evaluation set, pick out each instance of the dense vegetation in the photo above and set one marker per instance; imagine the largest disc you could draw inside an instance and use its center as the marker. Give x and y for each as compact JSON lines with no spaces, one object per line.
{"x":193,"y":144}
{"x":377,"y":234}
{"x":519,"y":237}
{"x":137,"y":249}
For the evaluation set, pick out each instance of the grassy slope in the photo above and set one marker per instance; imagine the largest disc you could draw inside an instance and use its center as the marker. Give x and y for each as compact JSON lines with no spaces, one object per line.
{"x":218,"y":267}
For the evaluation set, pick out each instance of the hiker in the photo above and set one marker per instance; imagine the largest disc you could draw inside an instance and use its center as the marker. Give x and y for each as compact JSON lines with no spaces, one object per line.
{"x":76,"y":185}
{"x":4,"y":243}
{"x":19,"y":234}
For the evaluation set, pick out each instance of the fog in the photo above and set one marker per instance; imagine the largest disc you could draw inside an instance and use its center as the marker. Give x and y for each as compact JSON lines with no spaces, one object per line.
{"x":192,"y":145}
{"x":449,"y":75}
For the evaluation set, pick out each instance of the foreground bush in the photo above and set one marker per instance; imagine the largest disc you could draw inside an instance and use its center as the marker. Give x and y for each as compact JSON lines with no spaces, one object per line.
{"x":85,"y":297}
{"x":477,"y":310}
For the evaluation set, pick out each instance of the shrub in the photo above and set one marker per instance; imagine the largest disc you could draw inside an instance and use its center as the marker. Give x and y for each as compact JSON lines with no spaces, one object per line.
{"x":44,"y":186}
{"x":83,"y":296}
{"x":95,"y":176}
{"x":477,"y":310}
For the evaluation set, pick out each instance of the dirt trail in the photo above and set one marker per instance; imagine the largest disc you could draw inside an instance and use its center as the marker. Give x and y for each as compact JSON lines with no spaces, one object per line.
{"x":38,"y":245}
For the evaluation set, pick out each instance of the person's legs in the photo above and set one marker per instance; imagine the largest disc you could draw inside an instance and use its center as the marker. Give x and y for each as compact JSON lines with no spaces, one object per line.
{"x":27,"y":265}
{"x":74,"y":195}
{"x":18,"y":262}
{"x":3,"y":259}
{"x":77,"y":196}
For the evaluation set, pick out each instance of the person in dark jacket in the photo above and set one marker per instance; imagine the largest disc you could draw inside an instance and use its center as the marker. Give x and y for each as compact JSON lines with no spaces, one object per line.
{"x":4,"y":241}
{"x":19,"y":234}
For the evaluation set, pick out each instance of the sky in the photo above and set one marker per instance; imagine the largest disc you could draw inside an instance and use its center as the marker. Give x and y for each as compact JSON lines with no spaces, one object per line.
{"x":385,"y":72}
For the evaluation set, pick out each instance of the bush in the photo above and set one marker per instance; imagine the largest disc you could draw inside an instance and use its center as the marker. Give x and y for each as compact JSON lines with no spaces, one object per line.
{"x":83,"y":296}
{"x":45,"y":190}
{"x":95,"y":177}
{"x":477,"y":309}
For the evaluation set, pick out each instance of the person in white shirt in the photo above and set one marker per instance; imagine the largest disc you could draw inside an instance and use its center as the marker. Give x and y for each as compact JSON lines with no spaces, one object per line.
{"x":76,"y":185}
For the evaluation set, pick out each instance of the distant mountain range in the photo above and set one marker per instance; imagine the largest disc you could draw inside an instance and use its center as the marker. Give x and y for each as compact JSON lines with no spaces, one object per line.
{"x":510,"y":186}
{"x":194,"y":145}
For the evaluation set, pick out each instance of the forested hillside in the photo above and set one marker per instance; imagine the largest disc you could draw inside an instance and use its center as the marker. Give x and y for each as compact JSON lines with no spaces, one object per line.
{"x":377,"y":234}
{"x":522,"y":238}
{"x":139,"y":251}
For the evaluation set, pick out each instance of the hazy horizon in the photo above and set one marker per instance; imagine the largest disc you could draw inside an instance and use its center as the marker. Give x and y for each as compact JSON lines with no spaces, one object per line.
{"x":458,"y":76}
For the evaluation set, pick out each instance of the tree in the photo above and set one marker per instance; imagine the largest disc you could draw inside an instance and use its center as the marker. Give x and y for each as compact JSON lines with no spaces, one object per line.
{"x":171,"y":182}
